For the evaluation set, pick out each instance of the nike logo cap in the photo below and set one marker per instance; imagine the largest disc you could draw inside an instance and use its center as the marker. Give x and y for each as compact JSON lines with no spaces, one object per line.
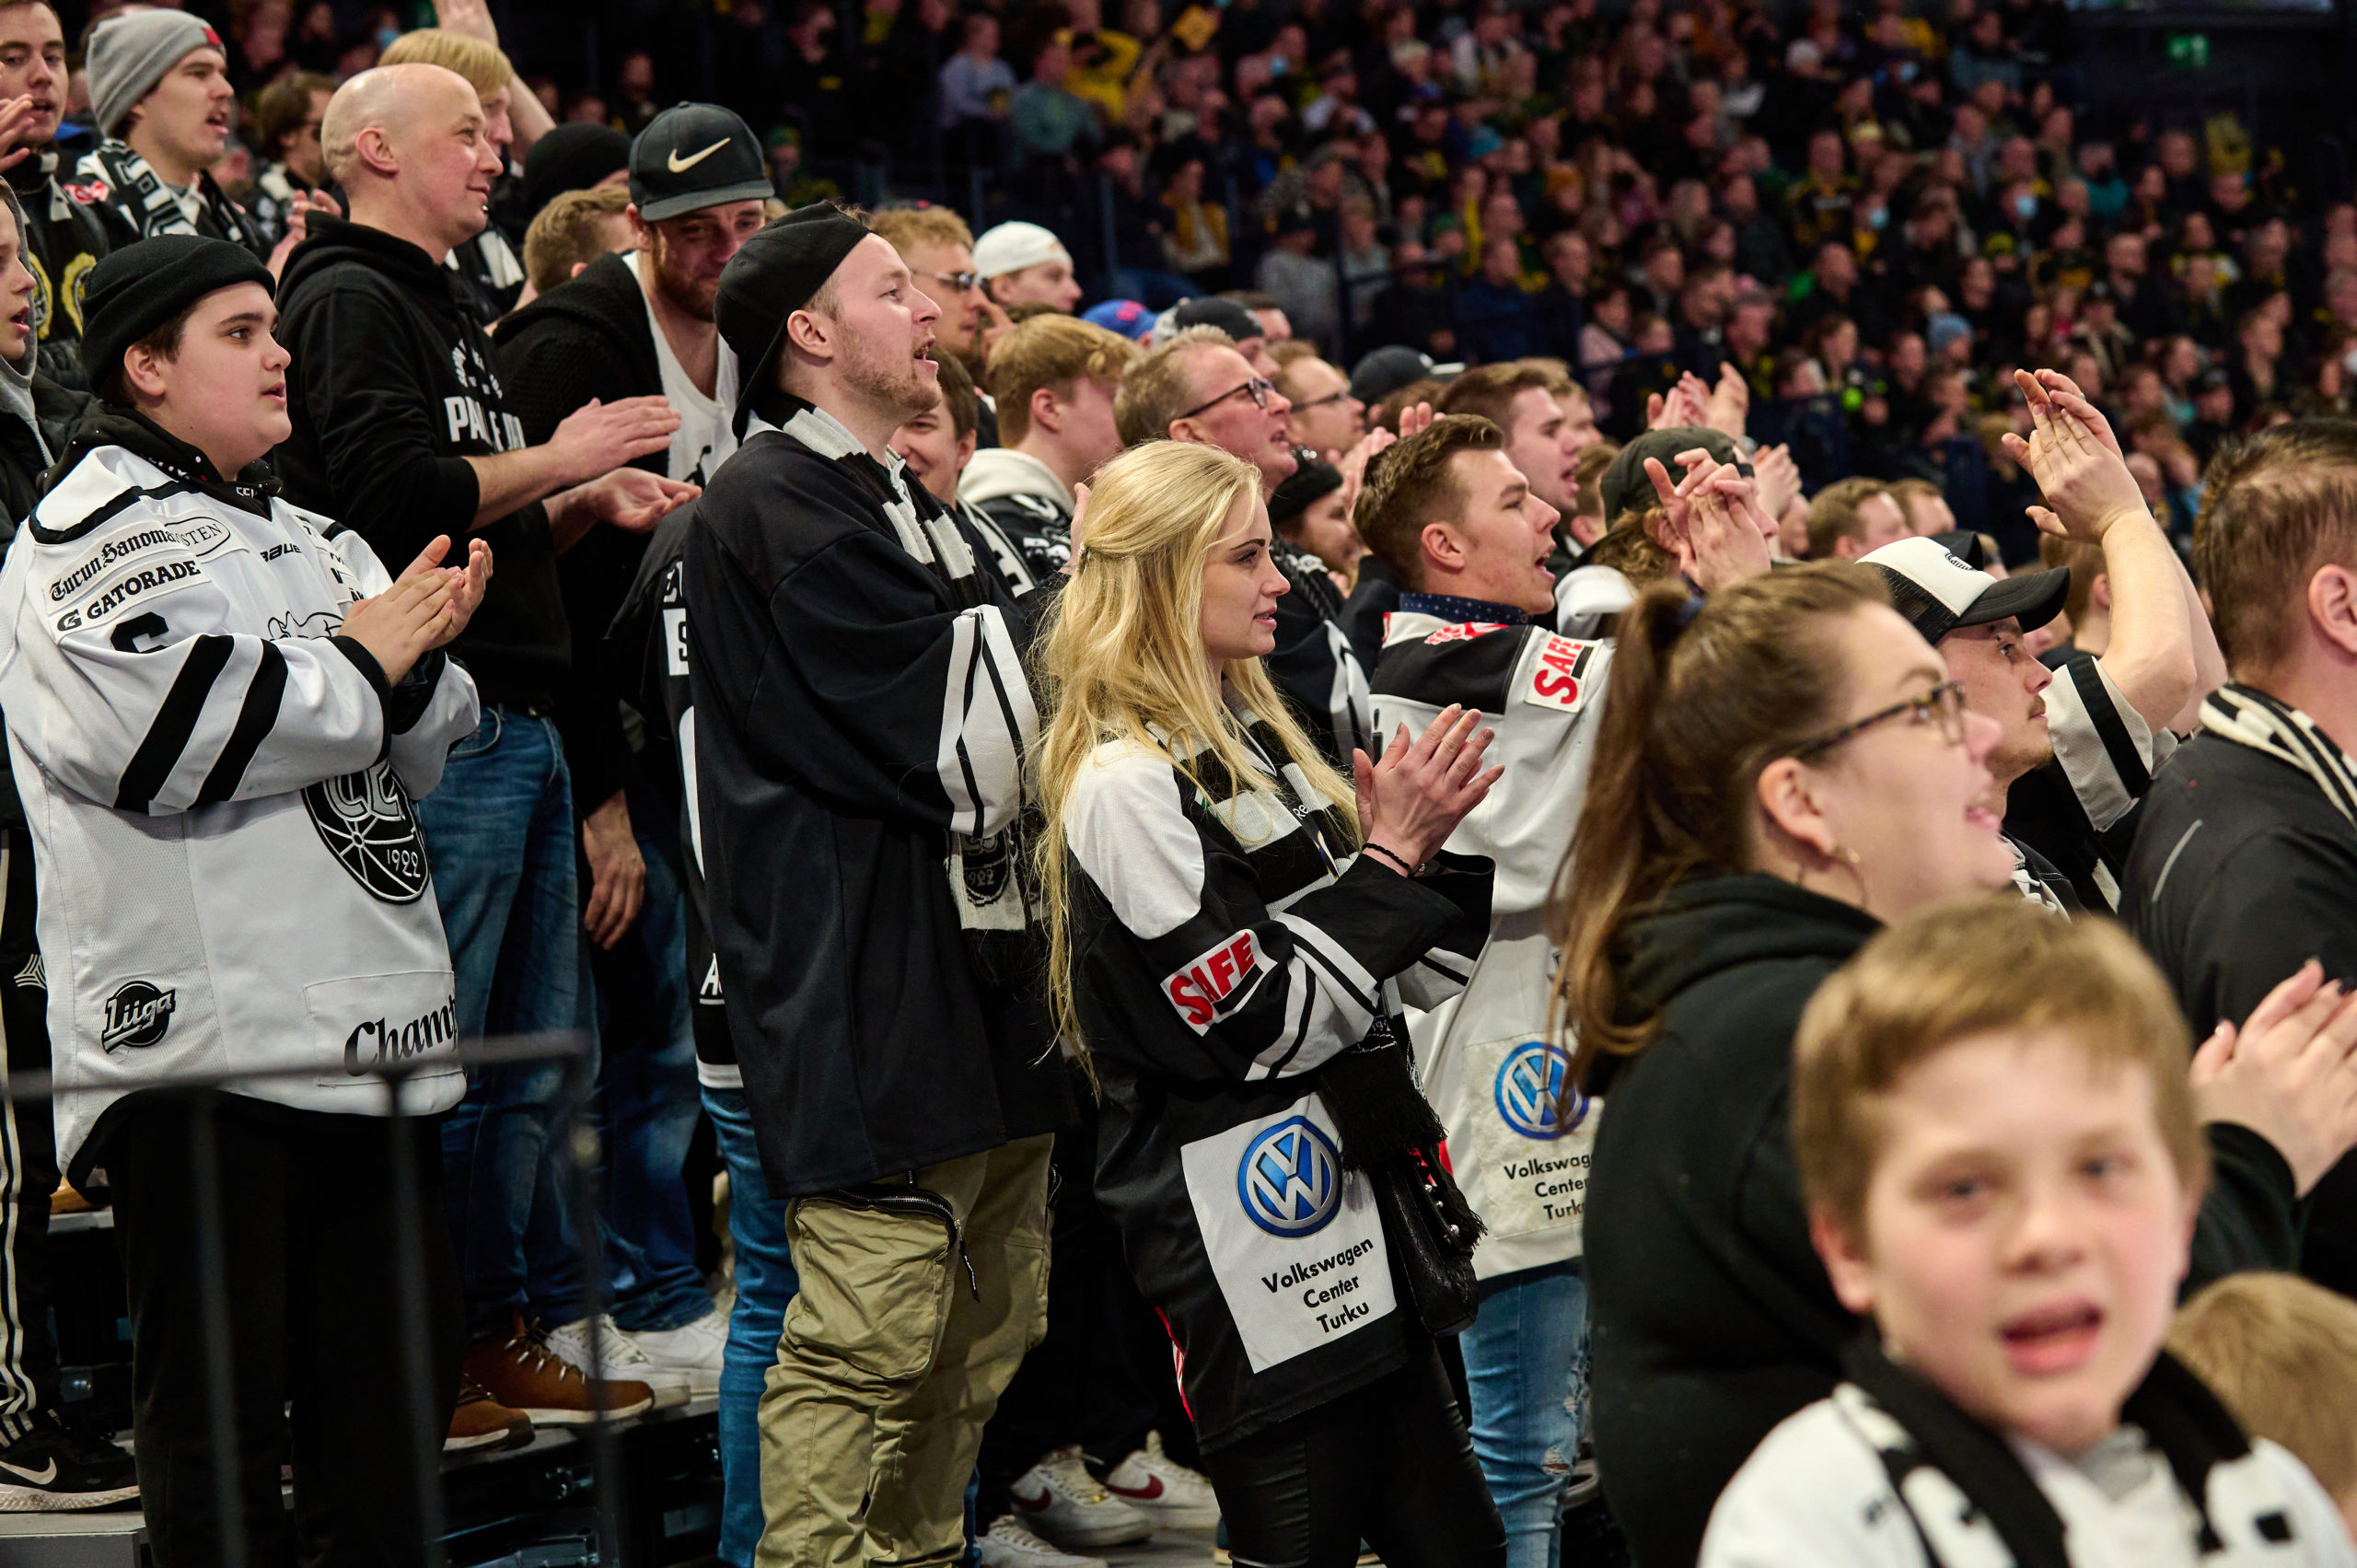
{"x":695,"y":156}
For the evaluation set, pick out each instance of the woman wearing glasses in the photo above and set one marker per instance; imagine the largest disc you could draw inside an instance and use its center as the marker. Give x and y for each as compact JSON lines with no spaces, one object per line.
{"x":1235,"y":927}
{"x":1779,"y":774}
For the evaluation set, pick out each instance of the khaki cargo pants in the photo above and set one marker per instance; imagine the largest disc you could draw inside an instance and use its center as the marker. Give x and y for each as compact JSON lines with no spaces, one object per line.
{"x":894,"y":1354}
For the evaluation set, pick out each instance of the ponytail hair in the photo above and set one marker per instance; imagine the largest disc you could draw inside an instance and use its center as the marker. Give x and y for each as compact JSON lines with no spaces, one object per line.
{"x":1703,"y":696}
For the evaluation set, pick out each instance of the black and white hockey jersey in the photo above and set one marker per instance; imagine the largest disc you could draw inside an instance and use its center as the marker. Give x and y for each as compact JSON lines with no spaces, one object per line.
{"x":1227,"y":944}
{"x":136,"y":203}
{"x":861,"y":720}
{"x":1027,"y":503}
{"x":1314,"y":664}
{"x":219,"y":789}
{"x":1520,"y":1133}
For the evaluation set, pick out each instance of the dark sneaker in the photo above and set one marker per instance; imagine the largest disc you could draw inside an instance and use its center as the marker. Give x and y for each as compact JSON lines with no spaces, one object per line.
{"x":61,"y":1465}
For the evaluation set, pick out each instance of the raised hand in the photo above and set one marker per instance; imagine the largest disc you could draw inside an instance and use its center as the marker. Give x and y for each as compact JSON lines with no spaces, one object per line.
{"x":1729,"y":404}
{"x":2288,"y":1073}
{"x":1778,"y":477}
{"x":2075,"y":460}
{"x":15,"y":115}
{"x":1412,"y":800}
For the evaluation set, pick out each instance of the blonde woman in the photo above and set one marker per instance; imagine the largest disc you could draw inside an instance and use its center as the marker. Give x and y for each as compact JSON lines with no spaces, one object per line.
{"x":1235,"y":928}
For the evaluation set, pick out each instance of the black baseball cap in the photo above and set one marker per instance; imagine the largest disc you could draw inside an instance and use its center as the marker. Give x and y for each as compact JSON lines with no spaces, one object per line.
{"x":1383,"y":371}
{"x":1939,"y":594}
{"x":695,"y":155}
{"x":1626,"y":488}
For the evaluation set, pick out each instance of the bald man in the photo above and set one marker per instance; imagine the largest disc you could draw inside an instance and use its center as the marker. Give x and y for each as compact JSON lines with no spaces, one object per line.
{"x":401,"y":431}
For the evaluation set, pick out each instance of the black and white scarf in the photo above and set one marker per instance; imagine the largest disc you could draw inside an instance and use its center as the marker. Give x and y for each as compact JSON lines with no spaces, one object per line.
{"x":1972,"y":1501}
{"x":2249,"y":717}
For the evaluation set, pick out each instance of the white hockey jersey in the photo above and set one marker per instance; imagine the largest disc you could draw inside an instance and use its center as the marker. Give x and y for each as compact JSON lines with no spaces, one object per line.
{"x":1520,"y":1137}
{"x":231,"y":874}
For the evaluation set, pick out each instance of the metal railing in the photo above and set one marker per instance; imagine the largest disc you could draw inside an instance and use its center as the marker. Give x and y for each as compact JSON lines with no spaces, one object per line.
{"x":575,"y":1141}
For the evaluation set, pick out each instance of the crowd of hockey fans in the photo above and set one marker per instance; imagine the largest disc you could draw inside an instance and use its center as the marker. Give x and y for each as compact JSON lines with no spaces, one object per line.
{"x":1355,"y":775}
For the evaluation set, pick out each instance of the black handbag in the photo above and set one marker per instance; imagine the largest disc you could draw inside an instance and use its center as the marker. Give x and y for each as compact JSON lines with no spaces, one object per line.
{"x":1390,"y":1134}
{"x":1431,"y":1230}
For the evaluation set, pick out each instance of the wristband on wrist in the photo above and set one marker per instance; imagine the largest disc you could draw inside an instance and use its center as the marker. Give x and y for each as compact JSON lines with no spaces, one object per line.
{"x":1405,"y":870}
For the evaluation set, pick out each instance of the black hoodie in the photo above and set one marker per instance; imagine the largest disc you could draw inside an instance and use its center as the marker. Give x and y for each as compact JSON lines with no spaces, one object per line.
{"x":393,"y":386}
{"x":1712,"y":1316}
{"x":589,"y":338}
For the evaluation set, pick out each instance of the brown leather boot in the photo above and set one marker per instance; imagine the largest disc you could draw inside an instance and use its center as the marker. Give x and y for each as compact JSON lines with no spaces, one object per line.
{"x":521,"y":1374}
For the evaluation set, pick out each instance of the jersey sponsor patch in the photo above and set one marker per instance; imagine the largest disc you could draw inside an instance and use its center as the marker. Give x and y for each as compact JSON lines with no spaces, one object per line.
{"x":1524,"y":1158}
{"x":1559,"y":678}
{"x":367,"y":823}
{"x":1213,"y":984}
{"x":199,"y":536}
{"x":137,"y":1016}
{"x":1293,"y":1239}
{"x":364,"y":1024}
{"x":141,"y":585}
{"x":89,"y":193}
{"x":1464,"y":632}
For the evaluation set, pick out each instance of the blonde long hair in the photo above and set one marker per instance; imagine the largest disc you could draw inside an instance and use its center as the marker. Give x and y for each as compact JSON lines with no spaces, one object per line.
{"x":1122,"y":659}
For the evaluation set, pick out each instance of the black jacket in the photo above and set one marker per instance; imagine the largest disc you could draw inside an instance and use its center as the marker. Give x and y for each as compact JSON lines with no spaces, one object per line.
{"x":1711,"y":1317}
{"x":2241,"y":871}
{"x":861,"y":718}
{"x":582,"y":340}
{"x":393,"y":386}
{"x":64,"y":237}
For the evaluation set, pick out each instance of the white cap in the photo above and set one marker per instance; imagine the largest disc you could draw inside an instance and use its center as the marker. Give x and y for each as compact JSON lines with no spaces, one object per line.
{"x":1011,"y":247}
{"x":1939,"y":593}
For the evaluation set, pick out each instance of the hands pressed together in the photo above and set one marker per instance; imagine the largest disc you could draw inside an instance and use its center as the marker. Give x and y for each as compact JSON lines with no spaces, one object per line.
{"x":427,"y":607}
{"x":1410,"y":801}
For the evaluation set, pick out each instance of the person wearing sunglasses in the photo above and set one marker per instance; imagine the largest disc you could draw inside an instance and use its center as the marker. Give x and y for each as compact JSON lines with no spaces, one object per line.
{"x":1781,"y":772}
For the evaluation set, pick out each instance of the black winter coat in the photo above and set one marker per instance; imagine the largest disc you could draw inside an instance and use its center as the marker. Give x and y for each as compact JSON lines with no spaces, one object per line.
{"x":1712,"y":1316}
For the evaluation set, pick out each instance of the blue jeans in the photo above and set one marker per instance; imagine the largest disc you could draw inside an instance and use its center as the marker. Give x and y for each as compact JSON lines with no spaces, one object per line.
{"x":1525,"y":1366}
{"x":499,"y":832}
{"x":648,"y":1094}
{"x":765,"y":1283}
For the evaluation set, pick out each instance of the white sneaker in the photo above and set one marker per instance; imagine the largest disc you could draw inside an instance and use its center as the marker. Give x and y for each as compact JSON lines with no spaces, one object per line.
{"x":621,"y":1356}
{"x":1009,"y":1545}
{"x":1059,"y":1499}
{"x":691,"y":1352}
{"x":1162,"y":1489}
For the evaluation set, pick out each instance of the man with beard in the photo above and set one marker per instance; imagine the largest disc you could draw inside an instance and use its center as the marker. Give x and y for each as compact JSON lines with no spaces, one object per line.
{"x":939,"y":250}
{"x":862,"y":720}
{"x":635,"y":325}
{"x":2080,"y":743}
{"x":160,"y":93}
{"x":65,"y":234}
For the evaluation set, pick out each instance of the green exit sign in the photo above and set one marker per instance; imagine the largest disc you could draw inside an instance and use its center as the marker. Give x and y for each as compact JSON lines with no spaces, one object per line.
{"x":2190,"y":50}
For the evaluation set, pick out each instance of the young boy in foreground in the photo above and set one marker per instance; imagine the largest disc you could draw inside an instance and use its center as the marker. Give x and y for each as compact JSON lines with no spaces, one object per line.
{"x":1997,"y":1139}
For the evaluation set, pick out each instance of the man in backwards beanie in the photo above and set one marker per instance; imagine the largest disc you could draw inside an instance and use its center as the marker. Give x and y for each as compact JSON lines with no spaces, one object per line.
{"x":159,"y":89}
{"x":228,"y":709}
{"x":860,"y":706}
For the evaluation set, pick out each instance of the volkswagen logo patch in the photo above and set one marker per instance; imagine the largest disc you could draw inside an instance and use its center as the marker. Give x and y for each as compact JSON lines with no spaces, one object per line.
{"x":1533,"y":1092}
{"x":367,"y":823}
{"x":1291,"y":1178}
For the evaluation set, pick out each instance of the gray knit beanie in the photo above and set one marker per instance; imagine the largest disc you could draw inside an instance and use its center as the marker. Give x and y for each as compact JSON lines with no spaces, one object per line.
{"x":129,"y":55}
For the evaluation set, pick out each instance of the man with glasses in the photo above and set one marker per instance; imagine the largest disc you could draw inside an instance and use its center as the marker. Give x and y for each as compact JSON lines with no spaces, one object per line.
{"x":1197,"y":386}
{"x":938,"y":248}
{"x":1325,"y":419}
{"x":2078,"y":752}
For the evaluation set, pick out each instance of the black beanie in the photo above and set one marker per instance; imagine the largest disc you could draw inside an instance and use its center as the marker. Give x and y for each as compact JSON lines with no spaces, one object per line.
{"x":1313,"y":480}
{"x":141,"y":287}
{"x":571,"y":158}
{"x":772,"y":278}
